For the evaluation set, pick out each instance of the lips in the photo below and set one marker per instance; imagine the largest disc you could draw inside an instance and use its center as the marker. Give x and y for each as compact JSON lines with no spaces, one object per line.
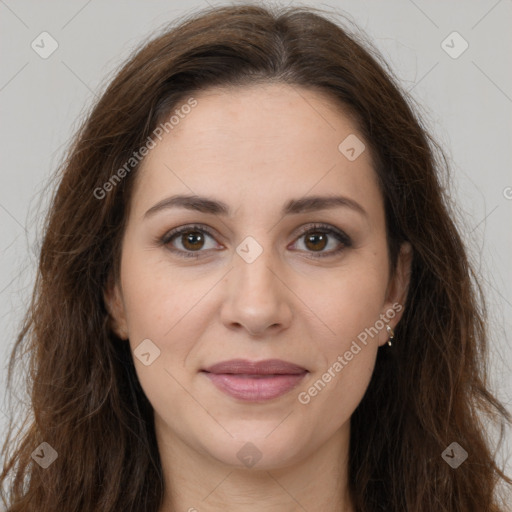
{"x":267,"y":367}
{"x":255,"y":381}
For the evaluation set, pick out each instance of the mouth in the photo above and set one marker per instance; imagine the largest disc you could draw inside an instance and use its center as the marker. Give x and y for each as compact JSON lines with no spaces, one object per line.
{"x":253,"y":381}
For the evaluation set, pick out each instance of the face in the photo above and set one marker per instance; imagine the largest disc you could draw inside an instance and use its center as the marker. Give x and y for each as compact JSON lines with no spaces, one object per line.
{"x":259,"y":272}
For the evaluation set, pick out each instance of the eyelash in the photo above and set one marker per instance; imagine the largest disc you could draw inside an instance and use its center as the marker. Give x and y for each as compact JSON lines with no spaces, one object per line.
{"x":314,"y":228}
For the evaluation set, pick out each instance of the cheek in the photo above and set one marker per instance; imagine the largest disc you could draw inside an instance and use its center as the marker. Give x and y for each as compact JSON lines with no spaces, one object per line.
{"x":159,"y":303}
{"x":351,"y":302}
{"x":331,"y":396}
{"x":350,"y":307}
{"x":156,"y":295}
{"x":340,"y":381}
{"x":159,"y":307}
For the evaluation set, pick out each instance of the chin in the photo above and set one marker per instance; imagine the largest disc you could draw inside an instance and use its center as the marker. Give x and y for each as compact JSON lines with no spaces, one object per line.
{"x":258,"y":450}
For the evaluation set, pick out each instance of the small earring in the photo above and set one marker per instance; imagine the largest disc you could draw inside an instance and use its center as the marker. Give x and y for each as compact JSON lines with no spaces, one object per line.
{"x":391,"y":334}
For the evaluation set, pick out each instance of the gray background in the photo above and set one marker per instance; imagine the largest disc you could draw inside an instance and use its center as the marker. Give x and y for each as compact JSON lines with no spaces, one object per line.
{"x":466,"y":103}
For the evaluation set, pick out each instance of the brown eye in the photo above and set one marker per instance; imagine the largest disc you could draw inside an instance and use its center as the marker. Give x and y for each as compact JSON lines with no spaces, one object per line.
{"x":316,"y":241}
{"x":189,"y":241}
{"x":192,"y":240}
{"x":319,"y":237}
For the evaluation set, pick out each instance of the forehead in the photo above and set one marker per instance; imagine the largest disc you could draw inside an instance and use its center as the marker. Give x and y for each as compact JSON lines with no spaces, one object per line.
{"x":264,"y":141}
{"x":259,"y":115}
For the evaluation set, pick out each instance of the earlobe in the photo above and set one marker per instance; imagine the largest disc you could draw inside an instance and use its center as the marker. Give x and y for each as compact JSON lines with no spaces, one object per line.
{"x":112,"y":296}
{"x":398,"y":288}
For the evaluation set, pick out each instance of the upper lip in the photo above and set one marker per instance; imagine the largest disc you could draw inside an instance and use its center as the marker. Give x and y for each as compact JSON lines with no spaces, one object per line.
{"x":266,"y":367}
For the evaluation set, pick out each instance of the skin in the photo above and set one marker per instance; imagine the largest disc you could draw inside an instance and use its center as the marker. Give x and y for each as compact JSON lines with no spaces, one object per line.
{"x":255,"y":148}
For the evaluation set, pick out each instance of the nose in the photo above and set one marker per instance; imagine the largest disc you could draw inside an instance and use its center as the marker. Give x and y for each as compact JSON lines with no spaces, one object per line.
{"x":258,"y":299}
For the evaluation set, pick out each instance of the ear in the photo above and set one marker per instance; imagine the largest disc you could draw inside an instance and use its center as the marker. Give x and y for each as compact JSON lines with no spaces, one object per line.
{"x":113,"y":297}
{"x":396,"y":293}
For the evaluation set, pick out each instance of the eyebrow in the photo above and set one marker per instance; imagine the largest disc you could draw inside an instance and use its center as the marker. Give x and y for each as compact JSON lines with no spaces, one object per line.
{"x":294,"y":206}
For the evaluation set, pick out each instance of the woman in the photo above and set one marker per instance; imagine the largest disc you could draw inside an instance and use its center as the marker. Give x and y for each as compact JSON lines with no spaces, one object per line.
{"x":251,"y":294}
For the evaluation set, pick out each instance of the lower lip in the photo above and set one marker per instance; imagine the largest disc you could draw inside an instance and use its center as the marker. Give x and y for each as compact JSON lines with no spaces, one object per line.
{"x":255,"y":389}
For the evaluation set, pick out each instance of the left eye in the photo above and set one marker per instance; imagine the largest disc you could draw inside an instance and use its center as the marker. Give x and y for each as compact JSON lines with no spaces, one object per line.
{"x":316,"y":239}
{"x":318,"y":236}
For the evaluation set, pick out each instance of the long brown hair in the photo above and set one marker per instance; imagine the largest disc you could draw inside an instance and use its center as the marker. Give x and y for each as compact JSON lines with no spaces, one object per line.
{"x":427,"y":391}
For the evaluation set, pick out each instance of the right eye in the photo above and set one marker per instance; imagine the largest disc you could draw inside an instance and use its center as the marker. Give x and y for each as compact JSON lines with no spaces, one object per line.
{"x":191,"y":238}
